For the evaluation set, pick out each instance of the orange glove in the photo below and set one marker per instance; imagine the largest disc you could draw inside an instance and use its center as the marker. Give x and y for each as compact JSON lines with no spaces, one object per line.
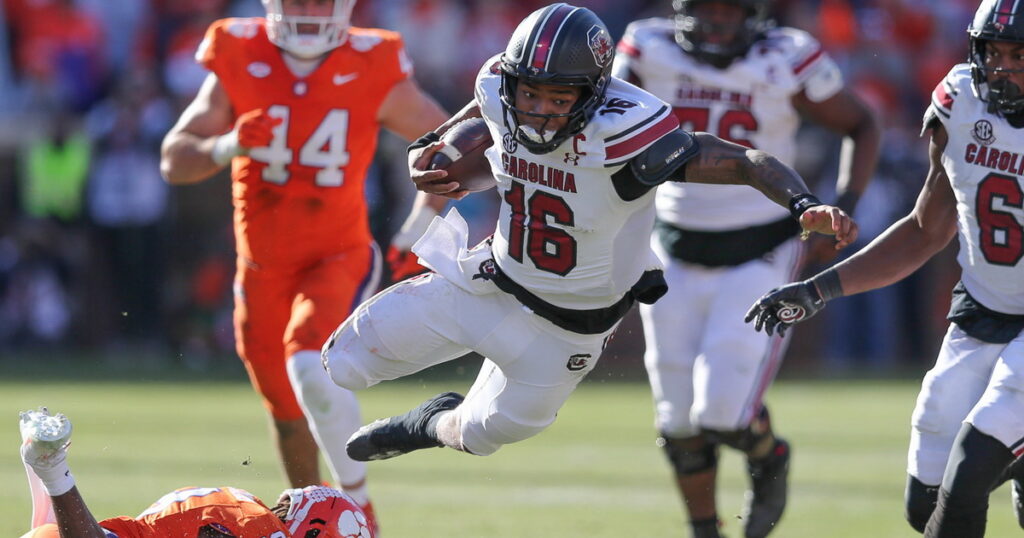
{"x":403,"y":264}
{"x":255,"y":128}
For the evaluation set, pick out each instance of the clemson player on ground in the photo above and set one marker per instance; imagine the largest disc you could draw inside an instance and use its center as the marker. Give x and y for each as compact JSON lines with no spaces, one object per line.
{"x":305,"y":94}
{"x":58,"y":509}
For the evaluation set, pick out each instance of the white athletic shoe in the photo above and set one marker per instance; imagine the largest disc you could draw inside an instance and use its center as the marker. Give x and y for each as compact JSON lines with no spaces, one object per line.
{"x":44,"y":438}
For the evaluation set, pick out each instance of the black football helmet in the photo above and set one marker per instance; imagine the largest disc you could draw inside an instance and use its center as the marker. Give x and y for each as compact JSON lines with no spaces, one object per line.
{"x":563,"y":45}
{"x":997,"y":20}
{"x":691,"y":31}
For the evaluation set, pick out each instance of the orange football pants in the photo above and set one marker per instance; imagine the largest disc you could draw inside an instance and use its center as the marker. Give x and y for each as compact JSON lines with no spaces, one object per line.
{"x":282,"y":310}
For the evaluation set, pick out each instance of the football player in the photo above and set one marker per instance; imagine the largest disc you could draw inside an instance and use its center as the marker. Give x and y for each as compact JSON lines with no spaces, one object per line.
{"x":968,"y":425}
{"x":726,"y":70}
{"x":60,"y":511}
{"x":577,"y":158}
{"x":293,"y":103}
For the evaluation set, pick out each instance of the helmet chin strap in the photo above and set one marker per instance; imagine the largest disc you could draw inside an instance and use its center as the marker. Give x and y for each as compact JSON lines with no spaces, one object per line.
{"x":1006,"y":98}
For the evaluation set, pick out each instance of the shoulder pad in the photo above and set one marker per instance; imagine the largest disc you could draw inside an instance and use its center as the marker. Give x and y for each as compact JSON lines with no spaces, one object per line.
{"x":660,"y":160}
{"x":486,"y":88}
{"x":223,"y":37}
{"x":366,"y":39}
{"x":957,"y":81}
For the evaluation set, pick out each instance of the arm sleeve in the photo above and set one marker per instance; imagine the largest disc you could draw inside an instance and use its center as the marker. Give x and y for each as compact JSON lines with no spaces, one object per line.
{"x":815,"y":71}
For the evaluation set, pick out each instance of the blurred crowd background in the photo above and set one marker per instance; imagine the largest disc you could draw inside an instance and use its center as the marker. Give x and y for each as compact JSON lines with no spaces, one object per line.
{"x":98,"y":253}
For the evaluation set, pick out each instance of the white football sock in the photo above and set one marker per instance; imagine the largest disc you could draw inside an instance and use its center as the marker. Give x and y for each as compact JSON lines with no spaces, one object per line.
{"x":332,"y":413}
{"x":42,"y":507}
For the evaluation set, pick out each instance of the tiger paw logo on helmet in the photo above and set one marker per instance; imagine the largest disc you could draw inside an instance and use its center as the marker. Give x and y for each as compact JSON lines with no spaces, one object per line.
{"x":322,"y":512}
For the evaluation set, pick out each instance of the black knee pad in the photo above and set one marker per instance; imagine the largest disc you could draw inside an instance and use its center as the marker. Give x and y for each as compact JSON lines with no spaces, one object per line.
{"x":919,"y":503}
{"x":978,"y":462}
{"x":745,"y":439}
{"x":689,"y":461}
{"x":975,"y":465}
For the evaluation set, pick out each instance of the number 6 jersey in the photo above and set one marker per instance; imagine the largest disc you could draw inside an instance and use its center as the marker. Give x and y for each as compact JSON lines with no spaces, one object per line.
{"x":312,"y":174}
{"x":984,"y":160}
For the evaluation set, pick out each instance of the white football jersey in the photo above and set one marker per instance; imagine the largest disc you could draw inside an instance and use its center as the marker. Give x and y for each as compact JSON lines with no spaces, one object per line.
{"x":563,"y":231}
{"x":984,"y":160}
{"x":749,"y":102}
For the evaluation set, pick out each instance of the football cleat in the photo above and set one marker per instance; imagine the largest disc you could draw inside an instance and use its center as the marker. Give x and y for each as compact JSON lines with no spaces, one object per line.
{"x":766,"y":500}
{"x":394,"y":436}
{"x":44,"y":437}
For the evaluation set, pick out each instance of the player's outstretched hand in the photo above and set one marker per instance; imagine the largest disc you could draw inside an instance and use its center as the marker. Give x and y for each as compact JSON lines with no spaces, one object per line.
{"x":403,"y":264}
{"x":785,"y":306}
{"x":255,"y":128}
{"x":431,"y":181}
{"x":830,"y":220}
{"x":819,"y":250}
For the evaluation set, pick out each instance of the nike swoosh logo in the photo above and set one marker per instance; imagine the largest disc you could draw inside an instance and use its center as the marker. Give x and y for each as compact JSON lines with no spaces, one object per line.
{"x":344,"y":79}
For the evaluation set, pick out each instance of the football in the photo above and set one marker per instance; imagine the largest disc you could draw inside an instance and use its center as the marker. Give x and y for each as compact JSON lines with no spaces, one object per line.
{"x":462,"y":155}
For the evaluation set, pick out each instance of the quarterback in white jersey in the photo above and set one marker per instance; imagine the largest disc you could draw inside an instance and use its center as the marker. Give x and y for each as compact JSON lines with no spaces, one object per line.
{"x":577,"y":158}
{"x":968,"y":426}
{"x":726,"y":71}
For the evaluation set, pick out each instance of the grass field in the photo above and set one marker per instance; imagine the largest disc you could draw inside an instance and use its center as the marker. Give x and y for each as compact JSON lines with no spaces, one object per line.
{"x":594,"y":473}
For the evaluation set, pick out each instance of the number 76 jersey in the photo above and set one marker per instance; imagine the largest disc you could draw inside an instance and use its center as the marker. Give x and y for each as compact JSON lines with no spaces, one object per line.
{"x":311,"y":176}
{"x":984,"y":160}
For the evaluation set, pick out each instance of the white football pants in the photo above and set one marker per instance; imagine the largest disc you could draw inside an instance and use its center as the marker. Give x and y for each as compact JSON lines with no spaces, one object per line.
{"x":974,"y":382}
{"x":532,"y":366}
{"x":707,"y":368}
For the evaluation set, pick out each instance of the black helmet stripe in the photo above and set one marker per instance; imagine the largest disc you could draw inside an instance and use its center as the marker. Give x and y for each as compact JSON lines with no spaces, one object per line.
{"x":547,"y":33}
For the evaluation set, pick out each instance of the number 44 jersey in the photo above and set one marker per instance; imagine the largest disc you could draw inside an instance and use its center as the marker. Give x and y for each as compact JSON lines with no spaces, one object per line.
{"x":750,"y":102}
{"x":311,"y":176}
{"x":984,"y":160}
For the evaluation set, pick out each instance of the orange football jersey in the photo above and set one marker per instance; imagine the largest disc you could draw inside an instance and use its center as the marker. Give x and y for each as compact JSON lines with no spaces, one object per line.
{"x":302,"y":197}
{"x":183,"y":512}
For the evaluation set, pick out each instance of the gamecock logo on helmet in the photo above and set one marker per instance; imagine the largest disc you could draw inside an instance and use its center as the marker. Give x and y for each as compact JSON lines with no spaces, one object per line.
{"x":600,"y":45}
{"x":790,"y":313}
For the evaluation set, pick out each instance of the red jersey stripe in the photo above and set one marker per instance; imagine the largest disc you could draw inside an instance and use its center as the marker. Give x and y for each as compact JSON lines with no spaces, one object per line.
{"x":628,"y":49}
{"x":942,"y":97}
{"x":806,"y":63}
{"x":667,"y":124}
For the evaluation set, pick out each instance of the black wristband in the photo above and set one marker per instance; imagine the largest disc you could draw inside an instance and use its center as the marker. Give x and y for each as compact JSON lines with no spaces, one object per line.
{"x":802,"y":202}
{"x":827,"y":284}
{"x":847,"y":202}
{"x":424,"y":141}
